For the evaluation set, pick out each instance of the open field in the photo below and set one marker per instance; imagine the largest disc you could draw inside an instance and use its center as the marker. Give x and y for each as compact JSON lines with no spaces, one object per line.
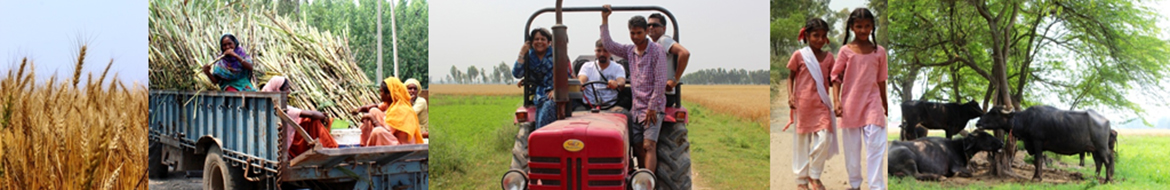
{"x":745,"y":101}
{"x":476,"y":89}
{"x":472,"y":137}
{"x":67,"y":134}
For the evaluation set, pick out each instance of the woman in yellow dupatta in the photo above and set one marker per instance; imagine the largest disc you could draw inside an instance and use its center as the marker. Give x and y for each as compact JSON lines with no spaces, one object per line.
{"x":392,"y":121}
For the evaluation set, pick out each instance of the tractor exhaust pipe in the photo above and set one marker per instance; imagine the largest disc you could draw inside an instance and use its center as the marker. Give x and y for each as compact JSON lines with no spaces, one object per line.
{"x":560,"y":66}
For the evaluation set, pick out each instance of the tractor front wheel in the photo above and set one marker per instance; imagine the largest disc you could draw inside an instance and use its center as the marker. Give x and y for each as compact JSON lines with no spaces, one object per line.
{"x":520,"y":146}
{"x":674,"y":157}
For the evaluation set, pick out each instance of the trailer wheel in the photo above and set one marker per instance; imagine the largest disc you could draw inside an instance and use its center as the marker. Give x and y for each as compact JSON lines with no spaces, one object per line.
{"x":218,"y":175}
{"x":674,"y":158}
{"x":520,"y":147}
{"x":155,"y":167}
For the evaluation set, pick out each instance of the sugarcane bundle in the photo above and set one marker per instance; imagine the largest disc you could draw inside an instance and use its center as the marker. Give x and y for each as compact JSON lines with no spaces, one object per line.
{"x":184,"y":36}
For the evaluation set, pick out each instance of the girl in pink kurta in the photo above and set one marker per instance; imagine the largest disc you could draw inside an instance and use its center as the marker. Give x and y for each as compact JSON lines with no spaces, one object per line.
{"x":859,"y":85}
{"x":815,"y":140}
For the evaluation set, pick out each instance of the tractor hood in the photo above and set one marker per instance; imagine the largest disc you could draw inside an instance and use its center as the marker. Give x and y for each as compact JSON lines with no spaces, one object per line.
{"x":581,"y":135}
{"x":587,"y":151}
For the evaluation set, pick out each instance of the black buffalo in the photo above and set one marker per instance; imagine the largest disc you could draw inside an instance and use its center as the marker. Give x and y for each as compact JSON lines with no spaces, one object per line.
{"x":1045,"y":128}
{"x":1112,"y":146}
{"x":951,"y":117}
{"x":930,"y":158}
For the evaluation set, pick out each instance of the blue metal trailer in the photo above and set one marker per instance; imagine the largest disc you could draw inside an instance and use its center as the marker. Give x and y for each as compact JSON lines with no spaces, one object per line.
{"x":238,"y":141}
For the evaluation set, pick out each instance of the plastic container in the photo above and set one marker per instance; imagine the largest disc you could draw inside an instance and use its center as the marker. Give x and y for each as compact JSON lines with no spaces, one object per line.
{"x":347,"y":138}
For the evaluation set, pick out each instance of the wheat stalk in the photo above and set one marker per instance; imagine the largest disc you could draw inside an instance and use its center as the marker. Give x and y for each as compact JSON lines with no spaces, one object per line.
{"x":60,"y":135}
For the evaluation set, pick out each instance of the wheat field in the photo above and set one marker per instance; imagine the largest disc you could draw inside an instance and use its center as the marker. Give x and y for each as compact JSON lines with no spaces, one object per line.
{"x":745,"y":101}
{"x":62,"y":134}
{"x":476,"y":89}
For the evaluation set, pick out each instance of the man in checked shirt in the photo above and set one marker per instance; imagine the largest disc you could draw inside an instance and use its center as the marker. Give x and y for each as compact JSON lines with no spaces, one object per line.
{"x":648,"y":84}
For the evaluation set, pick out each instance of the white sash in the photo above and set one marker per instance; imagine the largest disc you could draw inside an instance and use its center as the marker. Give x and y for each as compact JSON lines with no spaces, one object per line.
{"x":814,"y":69}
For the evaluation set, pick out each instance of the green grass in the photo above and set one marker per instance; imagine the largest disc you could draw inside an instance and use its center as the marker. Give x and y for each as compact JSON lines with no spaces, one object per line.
{"x":1141,"y":164}
{"x":729,"y":152}
{"x":472,"y":138}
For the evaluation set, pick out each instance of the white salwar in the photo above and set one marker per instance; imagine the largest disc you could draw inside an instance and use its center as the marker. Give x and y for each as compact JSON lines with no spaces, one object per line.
{"x":875,"y":146}
{"x":809,"y":153}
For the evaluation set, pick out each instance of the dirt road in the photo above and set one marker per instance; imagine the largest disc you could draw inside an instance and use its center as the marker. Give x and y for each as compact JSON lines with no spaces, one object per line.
{"x":834,"y":176}
{"x":177,"y":181}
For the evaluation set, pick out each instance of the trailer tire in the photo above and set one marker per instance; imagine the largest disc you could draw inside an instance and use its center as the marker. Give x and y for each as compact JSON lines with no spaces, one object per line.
{"x":155,"y":167}
{"x":520,"y":146}
{"x":674,"y":158}
{"x":219,"y":175}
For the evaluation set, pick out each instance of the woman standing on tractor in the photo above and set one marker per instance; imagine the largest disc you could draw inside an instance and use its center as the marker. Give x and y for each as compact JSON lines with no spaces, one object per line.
{"x":535,"y":65}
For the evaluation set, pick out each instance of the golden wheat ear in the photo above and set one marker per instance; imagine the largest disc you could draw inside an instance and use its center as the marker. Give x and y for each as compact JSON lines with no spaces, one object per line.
{"x":77,"y":69}
{"x":107,"y":70}
{"x":20,"y":72}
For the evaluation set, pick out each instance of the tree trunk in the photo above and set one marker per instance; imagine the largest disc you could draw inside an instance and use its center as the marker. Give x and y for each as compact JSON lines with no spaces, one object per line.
{"x":956,"y":78}
{"x":1001,"y":31}
{"x":907,"y":83}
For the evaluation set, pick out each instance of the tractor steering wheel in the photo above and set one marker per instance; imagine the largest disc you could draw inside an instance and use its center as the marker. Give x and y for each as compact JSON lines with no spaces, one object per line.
{"x":598,"y":103}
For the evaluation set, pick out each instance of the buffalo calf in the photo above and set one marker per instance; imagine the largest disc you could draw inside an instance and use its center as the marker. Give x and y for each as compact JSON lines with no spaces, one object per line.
{"x":930,"y":158}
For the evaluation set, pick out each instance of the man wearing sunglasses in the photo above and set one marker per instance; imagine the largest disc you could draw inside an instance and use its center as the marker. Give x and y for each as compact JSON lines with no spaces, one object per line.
{"x":676,"y":55}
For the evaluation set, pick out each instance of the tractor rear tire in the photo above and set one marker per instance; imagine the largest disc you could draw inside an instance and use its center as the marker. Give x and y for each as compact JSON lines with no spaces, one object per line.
{"x":219,"y":175}
{"x":520,"y":146}
{"x":155,"y":167}
{"x":674,"y":158}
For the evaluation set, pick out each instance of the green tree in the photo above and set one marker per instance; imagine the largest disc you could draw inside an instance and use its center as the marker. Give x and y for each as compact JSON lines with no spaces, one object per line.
{"x":358,"y":23}
{"x":722,"y":76}
{"x":472,"y":73}
{"x":1085,"y":53}
{"x":413,"y":39}
{"x":456,"y":75}
{"x":506,"y":71}
{"x":483,"y":76}
{"x":786,"y":19}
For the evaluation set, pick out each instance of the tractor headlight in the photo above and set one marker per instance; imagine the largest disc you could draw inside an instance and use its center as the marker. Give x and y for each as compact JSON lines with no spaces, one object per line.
{"x":642,"y":179}
{"x":514,"y":180}
{"x":680,"y":116}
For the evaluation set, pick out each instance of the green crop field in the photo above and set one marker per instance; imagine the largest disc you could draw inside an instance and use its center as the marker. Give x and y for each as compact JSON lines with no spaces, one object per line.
{"x":1141,"y":164}
{"x":471,"y":138}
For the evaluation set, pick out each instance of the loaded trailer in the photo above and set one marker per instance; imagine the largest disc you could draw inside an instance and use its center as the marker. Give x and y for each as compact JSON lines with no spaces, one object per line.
{"x":239,"y":140}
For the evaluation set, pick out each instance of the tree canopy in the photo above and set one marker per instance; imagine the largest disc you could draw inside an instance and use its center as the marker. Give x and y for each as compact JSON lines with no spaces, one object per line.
{"x":358,"y":22}
{"x":1016,"y":53}
{"x":1084,"y":54}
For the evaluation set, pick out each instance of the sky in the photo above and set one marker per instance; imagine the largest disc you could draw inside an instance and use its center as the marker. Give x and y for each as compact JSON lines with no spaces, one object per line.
{"x":727,"y":34}
{"x":47,"y":32}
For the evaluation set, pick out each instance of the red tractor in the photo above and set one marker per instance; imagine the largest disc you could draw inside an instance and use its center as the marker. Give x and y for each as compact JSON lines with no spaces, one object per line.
{"x":587,"y":148}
